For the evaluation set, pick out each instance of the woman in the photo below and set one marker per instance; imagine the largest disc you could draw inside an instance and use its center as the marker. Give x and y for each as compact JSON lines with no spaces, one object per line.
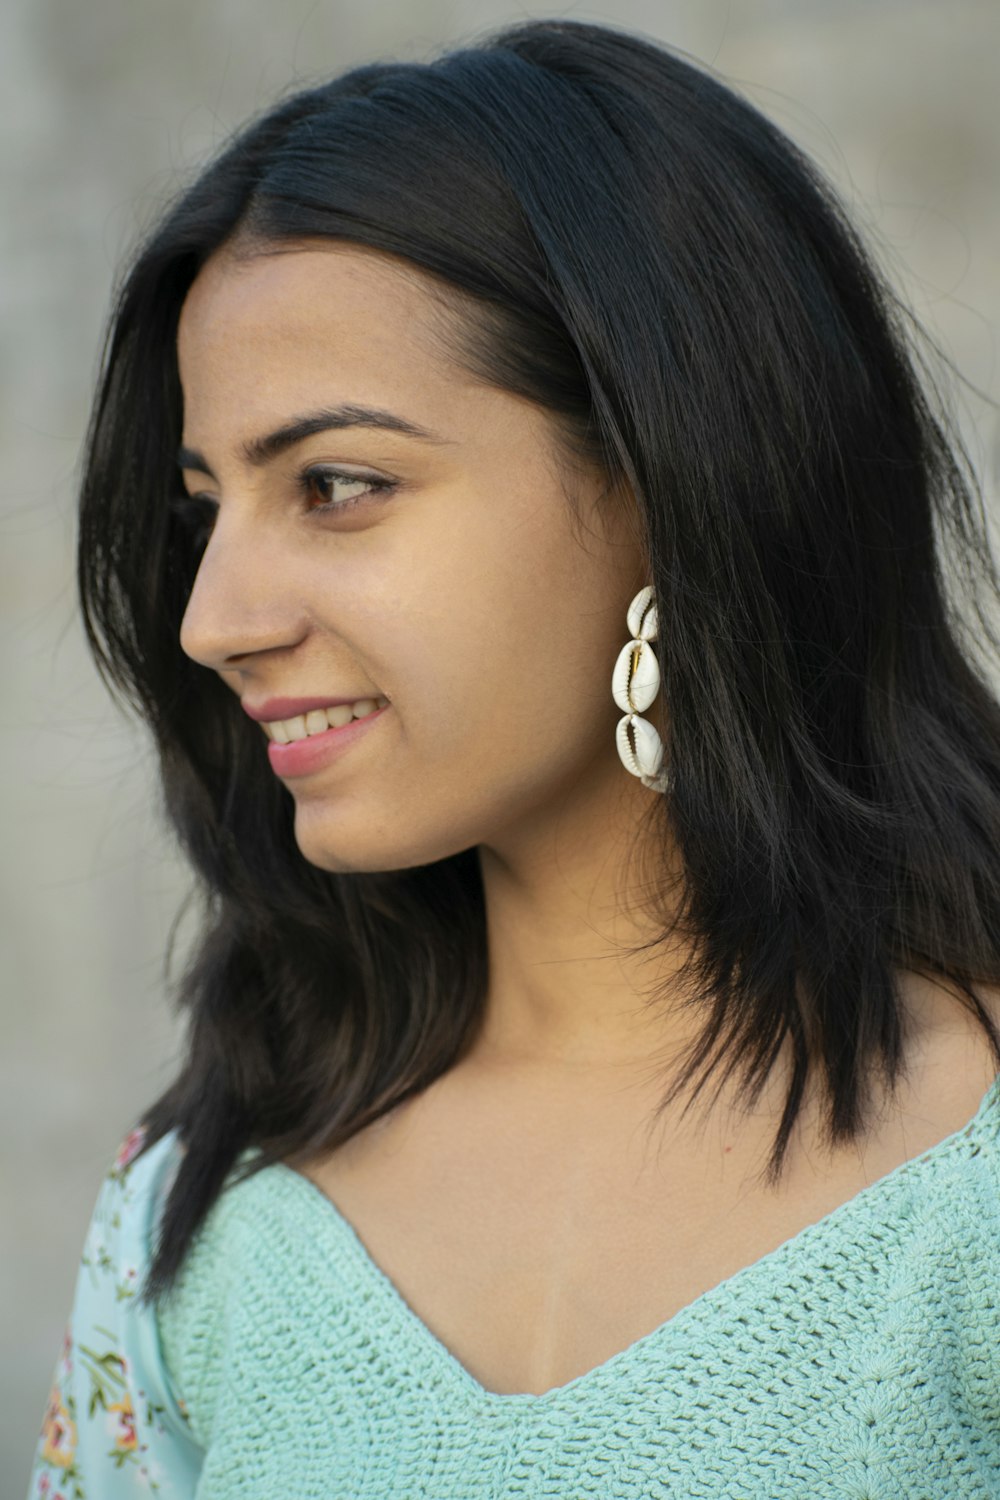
{"x":511,"y":503}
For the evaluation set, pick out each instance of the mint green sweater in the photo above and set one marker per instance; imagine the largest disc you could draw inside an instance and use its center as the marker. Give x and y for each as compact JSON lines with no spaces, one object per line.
{"x":860,"y":1360}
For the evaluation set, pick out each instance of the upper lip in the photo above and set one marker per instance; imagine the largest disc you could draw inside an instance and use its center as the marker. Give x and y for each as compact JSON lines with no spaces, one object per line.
{"x":273,"y":709}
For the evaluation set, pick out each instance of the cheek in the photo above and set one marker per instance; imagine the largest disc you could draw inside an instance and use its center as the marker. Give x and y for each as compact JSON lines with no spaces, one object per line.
{"x":495,"y":640}
{"x":505,"y":646}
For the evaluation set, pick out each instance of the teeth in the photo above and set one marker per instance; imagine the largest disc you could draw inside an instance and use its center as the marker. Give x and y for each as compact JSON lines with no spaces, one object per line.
{"x":283,"y":731}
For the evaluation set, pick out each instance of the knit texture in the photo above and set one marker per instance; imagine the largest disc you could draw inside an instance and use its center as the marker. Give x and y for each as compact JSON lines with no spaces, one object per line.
{"x":860,"y":1360}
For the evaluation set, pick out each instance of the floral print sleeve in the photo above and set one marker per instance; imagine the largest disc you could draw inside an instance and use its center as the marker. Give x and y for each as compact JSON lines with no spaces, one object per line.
{"x":114,"y":1428}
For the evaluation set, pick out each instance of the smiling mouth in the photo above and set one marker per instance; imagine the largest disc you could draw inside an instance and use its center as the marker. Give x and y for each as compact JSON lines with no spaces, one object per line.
{"x":319,"y":720}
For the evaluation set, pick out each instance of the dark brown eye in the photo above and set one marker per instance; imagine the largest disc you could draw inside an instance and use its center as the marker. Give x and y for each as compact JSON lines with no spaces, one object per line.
{"x":324,"y":480}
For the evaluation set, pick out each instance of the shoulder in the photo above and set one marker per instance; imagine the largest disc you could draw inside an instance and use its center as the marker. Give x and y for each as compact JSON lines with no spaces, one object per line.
{"x":121,"y":1235}
{"x":947,"y":1286}
{"x":950,"y":1063}
{"x":113,"y":1419}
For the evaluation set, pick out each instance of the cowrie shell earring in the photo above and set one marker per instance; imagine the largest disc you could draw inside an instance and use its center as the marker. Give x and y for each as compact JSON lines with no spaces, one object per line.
{"x":635,"y":682}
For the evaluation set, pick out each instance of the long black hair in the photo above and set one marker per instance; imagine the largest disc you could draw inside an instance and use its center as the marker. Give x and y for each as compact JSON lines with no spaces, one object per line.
{"x":640,"y":252}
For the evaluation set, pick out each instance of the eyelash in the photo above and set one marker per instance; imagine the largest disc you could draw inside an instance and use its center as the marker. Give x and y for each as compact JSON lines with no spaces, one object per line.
{"x":376,"y":488}
{"x":191,"y":509}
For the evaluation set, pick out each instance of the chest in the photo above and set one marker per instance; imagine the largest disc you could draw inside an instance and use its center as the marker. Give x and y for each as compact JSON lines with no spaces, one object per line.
{"x":538,"y":1231}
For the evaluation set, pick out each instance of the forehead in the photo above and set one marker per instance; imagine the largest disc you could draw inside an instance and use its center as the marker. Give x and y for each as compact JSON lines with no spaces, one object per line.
{"x":328,"y":307}
{"x":267,"y":335}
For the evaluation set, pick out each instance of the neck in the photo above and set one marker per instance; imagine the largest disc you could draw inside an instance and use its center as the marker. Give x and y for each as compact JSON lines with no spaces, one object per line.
{"x":565,"y":899}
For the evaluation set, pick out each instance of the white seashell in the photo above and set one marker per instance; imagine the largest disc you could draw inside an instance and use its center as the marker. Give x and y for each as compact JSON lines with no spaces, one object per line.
{"x":647,"y":757}
{"x":642,"y":622}
{"x":635,"y":681}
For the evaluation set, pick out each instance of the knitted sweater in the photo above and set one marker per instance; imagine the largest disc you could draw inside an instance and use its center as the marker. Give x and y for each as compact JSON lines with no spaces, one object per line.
{"x":860,"y":1360}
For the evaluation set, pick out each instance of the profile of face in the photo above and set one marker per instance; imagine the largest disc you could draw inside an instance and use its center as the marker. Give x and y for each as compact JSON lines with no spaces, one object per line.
{"x":438,"y":569}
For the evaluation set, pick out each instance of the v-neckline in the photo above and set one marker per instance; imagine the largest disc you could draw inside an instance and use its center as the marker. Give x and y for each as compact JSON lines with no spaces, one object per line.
{"x":331,"y":1220}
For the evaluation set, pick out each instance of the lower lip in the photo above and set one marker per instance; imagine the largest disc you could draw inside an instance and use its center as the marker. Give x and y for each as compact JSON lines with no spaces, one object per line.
{"x":302,"y":757}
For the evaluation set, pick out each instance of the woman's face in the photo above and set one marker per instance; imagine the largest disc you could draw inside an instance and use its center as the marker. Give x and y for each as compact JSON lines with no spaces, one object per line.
{"x":462,"y":592}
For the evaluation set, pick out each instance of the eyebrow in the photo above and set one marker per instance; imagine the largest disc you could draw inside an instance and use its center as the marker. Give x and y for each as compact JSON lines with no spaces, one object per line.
{"x":261,"y":450}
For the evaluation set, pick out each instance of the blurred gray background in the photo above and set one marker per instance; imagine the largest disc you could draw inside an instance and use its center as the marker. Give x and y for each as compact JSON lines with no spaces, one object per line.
{"x":106,"y":108}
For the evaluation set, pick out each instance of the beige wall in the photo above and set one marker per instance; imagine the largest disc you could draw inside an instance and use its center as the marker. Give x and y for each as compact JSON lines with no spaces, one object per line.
{"x":105,"y":103}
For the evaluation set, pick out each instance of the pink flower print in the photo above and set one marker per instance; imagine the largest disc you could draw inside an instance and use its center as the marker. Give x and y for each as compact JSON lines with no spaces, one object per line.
{"x":125,"y":1435}
{"x":130,"y":1147}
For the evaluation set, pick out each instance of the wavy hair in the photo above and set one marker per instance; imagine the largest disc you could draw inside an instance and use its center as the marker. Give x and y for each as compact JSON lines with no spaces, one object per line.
{"x":639,"y":251}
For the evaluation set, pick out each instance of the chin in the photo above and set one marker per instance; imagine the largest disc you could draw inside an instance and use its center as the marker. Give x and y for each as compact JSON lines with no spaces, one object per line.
{"x":364,"y":846}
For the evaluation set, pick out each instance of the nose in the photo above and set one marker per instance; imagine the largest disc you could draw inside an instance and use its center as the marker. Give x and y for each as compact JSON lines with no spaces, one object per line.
{"x":243,"y":600}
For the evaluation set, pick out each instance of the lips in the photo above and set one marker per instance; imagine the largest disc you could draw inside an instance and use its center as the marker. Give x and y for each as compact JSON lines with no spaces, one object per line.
{"x":317,"y":752}
{"x":273,"y":709}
